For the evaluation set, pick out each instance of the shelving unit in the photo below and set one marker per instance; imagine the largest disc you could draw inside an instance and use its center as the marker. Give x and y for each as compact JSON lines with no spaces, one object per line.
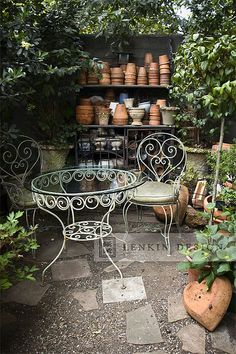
{"x":87,"y":145}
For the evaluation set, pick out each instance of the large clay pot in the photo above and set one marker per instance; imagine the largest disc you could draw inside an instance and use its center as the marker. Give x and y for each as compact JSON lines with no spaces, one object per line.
{"x":208,"y":307}
{"x":120,"y":116}
{"x":183,"y":203}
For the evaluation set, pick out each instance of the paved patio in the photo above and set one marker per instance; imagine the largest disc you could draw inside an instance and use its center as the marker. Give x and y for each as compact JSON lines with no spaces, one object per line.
{"x":82,"y":308}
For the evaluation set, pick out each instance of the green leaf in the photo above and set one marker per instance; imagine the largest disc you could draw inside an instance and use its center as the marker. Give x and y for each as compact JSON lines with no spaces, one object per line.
{"x":223,"y":268}
{"x":210,"y":279}
{"x":183,"y":266}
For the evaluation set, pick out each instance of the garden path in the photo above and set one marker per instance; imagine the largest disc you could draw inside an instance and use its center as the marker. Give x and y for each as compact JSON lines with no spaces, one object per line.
{"x":74,"y":313}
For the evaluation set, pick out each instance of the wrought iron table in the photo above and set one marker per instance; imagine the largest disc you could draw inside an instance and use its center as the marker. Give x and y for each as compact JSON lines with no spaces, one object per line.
{"x":74,"y":189}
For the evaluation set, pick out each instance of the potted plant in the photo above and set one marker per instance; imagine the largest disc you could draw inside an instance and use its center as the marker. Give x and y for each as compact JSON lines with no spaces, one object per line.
{"x":14,"y":243}
{"x":213,"y":261}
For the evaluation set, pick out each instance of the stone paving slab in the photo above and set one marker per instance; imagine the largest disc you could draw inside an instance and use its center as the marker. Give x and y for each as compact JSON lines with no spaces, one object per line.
{"x":113,"y":292}
{"x":142,"y":326}
{"x":193,"y":338}
{"x":48,"y":251}
{"x":87,"y":299}
{"x":176,"y":309}
{"x":224,"y":336}
{"x":26,"y":292}
{"x":71,"y":269}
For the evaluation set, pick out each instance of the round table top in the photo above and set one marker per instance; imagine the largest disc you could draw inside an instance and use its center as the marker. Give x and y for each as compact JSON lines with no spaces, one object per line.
{"x":74,"y":181}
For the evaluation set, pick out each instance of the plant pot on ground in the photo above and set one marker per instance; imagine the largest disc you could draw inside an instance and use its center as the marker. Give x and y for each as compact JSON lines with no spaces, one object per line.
{"x":212,"y":256}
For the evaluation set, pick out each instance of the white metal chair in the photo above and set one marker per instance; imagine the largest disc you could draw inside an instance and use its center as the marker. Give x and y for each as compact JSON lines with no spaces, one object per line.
{"x":161,"y":159}
{"x":20,"y":157}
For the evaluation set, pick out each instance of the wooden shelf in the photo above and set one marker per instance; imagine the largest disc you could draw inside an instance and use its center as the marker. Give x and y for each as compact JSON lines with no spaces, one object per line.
{"x":128,"y":86}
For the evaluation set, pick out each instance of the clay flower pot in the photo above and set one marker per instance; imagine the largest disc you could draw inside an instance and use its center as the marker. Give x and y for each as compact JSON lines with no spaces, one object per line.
{"x":148,"y":59}
{"x":120,"y":116}
{"x":208,"y":307}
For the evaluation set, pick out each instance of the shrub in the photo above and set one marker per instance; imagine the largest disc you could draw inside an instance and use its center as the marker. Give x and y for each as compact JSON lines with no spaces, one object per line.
{"x":14,"y":242}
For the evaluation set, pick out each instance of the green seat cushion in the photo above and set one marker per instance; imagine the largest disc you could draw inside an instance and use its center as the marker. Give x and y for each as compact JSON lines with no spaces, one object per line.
{"x":152,"y":192}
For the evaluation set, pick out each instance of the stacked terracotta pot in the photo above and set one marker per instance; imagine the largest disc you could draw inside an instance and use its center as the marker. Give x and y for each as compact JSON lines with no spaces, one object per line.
{"x":155,"y":115}
{"x":148,"y":59}
{"x":109,"y":97}
{"x":120,"y":115}
{"x":92,"y":78}
{"x":142,"y":76}
{"x":130,"y":74}
{"x":85,"y":112}
{"x":83,"y":77}
{"x":164,"y":70}
{"x":106,"y":74}
{"x":117,"y":76}
{"x":153,"y":75}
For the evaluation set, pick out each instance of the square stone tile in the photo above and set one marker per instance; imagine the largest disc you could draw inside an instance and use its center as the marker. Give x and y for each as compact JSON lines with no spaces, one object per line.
{"x":142,"y":326}
{"x":71,"y":269}
{"x":25,"y":292}
{"x":87,"y":299}
{"x":112,"y":290}
{"x":176,"y":309}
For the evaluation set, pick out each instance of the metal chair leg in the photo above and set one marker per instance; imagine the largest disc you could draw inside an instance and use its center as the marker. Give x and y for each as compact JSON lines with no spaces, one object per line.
{"x":125,"y":215}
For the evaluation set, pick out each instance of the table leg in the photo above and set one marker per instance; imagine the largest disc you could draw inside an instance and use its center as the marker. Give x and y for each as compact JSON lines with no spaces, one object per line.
{"x":107,"y":216}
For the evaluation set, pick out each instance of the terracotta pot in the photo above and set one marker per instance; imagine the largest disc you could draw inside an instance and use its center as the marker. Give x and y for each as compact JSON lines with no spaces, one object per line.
{"x":225,"y":146}
{"x":148,"y":59}
{"x":154,"y":122}
{"x":130,"y":68}
{"x":208,"y":307}
{"x":106,"y":67}
{"x":83,"y":77}
{"x":120,"y":112}
{"x":161,"y":103}
{"x":183,"y":204}
{"x":163,"y":59}
{"x":153,"y":66}
{"x":217,"y":213}
{"x":85,"y":102}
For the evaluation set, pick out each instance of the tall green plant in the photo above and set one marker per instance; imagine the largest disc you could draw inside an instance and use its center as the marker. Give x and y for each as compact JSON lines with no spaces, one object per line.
{"x":42,"y":56}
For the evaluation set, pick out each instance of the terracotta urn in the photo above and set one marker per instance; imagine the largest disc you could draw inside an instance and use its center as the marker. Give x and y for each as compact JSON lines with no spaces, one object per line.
{"x":208,"y":307}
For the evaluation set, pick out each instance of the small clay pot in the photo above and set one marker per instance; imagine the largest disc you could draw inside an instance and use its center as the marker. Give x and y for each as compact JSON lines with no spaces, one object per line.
{"x":148,"y":59}
{"x":163,"y":59}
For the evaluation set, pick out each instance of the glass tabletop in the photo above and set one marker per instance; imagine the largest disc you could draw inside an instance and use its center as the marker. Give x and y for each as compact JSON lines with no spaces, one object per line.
{"x":74,"y":181}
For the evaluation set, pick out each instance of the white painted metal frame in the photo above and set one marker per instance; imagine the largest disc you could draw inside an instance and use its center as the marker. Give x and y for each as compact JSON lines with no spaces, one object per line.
{"x":51,"y":192}
{"x":161,"y":157}
{"x":19,"y":157}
